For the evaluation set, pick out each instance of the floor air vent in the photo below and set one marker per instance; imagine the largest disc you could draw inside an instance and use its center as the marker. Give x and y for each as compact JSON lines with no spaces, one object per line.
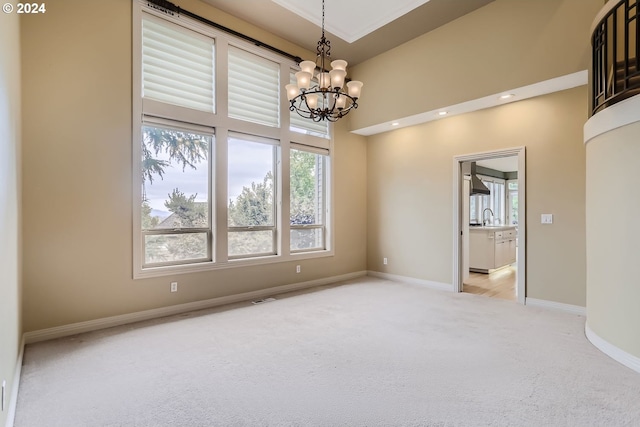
{"x":262,"y":301}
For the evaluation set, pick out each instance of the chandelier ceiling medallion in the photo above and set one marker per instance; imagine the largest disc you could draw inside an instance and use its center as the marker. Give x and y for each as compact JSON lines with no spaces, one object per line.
{"x":320,"y":96}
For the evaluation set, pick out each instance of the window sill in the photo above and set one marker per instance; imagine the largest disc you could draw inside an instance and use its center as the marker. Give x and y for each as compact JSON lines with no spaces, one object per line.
{"x":144,"y":273}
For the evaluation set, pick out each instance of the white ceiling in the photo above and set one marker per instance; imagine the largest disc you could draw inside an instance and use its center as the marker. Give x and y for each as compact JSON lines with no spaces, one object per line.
{"x":357,"y":29}
{"x":353,"y":19}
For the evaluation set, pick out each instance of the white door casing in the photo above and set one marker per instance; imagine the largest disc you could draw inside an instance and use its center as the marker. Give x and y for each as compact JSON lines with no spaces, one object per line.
{"x":459,"y":228}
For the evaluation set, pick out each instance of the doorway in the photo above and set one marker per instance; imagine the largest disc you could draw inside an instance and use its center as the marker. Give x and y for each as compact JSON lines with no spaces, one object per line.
{"x":497,"y":242}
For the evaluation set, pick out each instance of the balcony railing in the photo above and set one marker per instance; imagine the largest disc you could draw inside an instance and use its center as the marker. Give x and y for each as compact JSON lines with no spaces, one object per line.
{"x":615,"y":72}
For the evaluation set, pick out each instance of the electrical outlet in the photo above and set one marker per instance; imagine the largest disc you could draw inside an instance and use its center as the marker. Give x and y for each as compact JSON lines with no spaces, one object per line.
{"x":174,"y":286}
{"x":546,"y":219}
{"x":297,"y":269}
{"x":385,"y":261}
{"x":4,"y":387}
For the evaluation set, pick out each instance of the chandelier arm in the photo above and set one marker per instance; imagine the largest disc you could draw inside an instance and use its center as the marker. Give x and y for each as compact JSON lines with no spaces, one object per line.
{"x":330,"y":112}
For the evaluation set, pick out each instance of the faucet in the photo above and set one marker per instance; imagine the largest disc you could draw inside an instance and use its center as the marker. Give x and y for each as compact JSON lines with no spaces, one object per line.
{"x":486,"y":222}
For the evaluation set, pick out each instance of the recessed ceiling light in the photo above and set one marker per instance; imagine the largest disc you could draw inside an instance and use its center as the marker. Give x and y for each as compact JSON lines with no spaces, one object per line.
{"x":395,"y":124}
{"x":507,"y":96}
{"x":443,"y":113}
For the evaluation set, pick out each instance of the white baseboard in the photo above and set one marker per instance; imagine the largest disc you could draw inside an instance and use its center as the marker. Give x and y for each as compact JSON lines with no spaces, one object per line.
{"x":13,"y":401}
{"x":621,"y":356}
{"x":427,"y":283}
{"x":567,"y":308}
{"x":108,"y":322}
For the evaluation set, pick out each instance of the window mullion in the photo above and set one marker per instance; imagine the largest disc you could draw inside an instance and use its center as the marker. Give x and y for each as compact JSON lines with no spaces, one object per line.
{"x":221,"y":77}
{"x":156,"y":232}
{"x":277,"y":200}
{"x":252,"y":228}
{"x":221,"y":196}
{"x":284,"y":202}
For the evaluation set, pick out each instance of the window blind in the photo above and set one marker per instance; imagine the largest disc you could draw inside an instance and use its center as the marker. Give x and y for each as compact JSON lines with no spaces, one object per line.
{"x":177,"y":66}
{"x":310,"y":149}
{"x":254,"y":88}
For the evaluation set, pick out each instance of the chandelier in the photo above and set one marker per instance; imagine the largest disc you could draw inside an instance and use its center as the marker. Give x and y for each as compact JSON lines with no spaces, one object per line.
{"x":321,"y":96}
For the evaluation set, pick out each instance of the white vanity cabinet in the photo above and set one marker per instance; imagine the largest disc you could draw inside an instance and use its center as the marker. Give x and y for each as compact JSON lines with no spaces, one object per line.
{"x":491,"y":247}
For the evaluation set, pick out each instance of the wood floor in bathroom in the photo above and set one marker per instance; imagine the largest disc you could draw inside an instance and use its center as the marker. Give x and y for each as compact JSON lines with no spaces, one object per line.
{"x":498,"y":284}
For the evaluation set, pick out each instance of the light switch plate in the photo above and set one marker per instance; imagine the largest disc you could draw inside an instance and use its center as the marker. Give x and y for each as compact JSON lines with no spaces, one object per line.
{"x":546,"y":219}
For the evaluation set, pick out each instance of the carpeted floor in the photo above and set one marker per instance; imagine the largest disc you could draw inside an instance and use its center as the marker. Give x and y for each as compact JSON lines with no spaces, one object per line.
{"x":367,"y":353}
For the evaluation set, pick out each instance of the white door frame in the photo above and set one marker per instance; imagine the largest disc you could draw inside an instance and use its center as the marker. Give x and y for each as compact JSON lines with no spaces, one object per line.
{"x":458,"y":180}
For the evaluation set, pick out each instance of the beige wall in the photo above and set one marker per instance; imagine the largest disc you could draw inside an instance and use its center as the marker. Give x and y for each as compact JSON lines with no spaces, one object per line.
{"x":410,"y":191}
{"x":10,"y":325}
{"x":77,"y":177}
{"x":504,"y":45}
{"x":77,"y":163}
{"x":613,"y":232}
{"x":218,"y":16}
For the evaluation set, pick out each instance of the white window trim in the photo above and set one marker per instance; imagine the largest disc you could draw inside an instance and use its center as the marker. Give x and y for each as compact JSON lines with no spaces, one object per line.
{"x":222,"y":125}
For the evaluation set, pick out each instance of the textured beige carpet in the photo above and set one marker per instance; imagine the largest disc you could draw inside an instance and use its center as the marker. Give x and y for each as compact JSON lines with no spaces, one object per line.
{"x":368,"y":353}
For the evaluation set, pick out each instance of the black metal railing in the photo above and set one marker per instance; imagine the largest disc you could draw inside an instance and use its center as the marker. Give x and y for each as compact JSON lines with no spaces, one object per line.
{"x":615,"y":54}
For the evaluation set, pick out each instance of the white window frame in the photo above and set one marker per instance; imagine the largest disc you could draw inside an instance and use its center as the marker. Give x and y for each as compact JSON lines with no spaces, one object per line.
{"x":171,"y":125}
{"x":510,"y":194}
{"x":273,"y":228}
{"x":220,"y":124}
{"x":326,"y":166}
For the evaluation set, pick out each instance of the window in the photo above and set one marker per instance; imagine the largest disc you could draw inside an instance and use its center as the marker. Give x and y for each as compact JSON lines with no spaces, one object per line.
{"x":307,"y":198}
{"x":177,"y":66}
{"x":254,"y":88}
{"x":176,"y":224}
{"x":252,"y":204}
{"x":494,"y":201}
{"x":512,"y":201}
{"x":212,"y":137}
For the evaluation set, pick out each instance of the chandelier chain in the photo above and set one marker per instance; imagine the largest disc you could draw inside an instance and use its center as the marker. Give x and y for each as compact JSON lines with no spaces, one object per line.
{"x":324,"y":45}
{"x":322,"y":18}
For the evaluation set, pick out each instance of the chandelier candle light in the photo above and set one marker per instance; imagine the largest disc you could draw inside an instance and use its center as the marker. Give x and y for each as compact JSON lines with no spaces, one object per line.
{"x":321,"y":96}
